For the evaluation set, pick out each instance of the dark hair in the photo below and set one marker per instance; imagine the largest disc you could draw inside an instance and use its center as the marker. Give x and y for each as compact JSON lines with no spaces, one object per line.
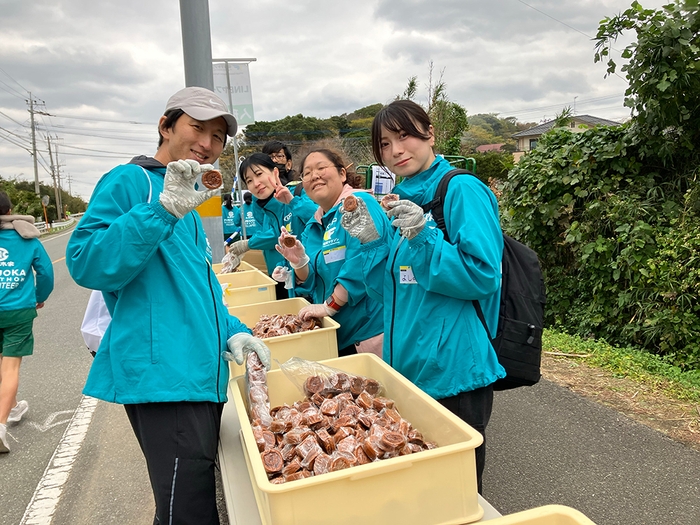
{"x":248,"y":197}
{"x":171,"y":117}
{"x":228,"y":201}
{"x":5,"y":203}
{"x":256,"y":159}
{"x":351,"y":178}
{"x":274,"y":146}
{"x":400,"y":115}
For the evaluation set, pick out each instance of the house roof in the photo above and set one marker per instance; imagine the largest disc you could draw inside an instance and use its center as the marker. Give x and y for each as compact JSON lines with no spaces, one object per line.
{"x":583,"y":119}
{"x":489,"y":147}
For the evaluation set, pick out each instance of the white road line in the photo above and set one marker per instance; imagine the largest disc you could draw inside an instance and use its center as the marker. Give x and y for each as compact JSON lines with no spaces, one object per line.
{"x":43,"y":504}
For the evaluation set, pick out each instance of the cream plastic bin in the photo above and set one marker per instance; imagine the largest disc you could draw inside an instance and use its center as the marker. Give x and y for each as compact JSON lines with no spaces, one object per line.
{"x":314,"y":345}
{"x":248,"y":288}
{"x":255,"y":258}
{"x":243,"y":267}
{"x":547,"y":515}
{"x":433,"y":487}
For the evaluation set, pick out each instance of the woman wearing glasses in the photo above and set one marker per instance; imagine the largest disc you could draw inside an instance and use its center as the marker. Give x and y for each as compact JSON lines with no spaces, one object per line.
{"x":330,"y":265}
{"x":281,"y":210}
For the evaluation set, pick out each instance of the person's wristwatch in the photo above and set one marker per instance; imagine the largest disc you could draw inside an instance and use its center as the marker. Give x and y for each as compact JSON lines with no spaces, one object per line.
{"x":330,"y":302}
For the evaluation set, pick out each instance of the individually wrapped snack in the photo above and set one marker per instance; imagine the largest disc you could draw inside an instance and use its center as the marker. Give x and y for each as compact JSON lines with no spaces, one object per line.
{"x":343,"y":421}
{"x":212,"y":179}
{"x":312,"y":377}
{"x":350,"y":203}
{"x":258,"y":398}
{"x":283,"y":324}
{"x":390,"y":197}
{"x":290,"y":241}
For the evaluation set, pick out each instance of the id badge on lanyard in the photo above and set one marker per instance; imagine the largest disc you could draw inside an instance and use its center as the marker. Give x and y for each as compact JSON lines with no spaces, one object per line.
{"x":406,"y":275}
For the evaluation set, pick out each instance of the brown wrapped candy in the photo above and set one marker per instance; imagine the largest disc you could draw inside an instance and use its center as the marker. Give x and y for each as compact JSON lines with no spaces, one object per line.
{"x":327,"y":442}
{"x":272,"y":461}
{"x":291,"y":467}
{"x":312,"y":385}
{"x":391,"y":197}
{"x":322,"y":464}
{"x":350,"y":203}
{"x":391,"y":441}
{"x":277,"y":480}
{"x":312,"y":416}
{"x":372,"y":386}
{"x":362,"y":458}
{"x":329,"y":407}
{"x":380,"y":403}
{"x":357,"y":385}
{"x":364,"y":400}
{"x":212,"y":179}
{"x":290,"y":241}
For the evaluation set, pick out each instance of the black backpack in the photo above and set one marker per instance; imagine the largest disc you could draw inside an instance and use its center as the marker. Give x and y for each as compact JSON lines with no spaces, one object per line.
{"x":518,"y":340}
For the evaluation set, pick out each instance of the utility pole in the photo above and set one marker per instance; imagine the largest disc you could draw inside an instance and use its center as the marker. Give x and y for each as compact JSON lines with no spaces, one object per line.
{"x":196,"y":50}
{"x":53,"y":176}
{"x":36,"y":169}
{"x":58,"y":181}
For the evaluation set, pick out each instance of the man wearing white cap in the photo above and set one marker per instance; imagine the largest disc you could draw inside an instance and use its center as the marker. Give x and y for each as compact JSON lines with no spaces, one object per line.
{"x":164,"y":353}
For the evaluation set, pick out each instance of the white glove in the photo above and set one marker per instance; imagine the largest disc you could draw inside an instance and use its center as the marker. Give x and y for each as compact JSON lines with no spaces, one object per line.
{"x":296,"y":255}
{"x":243,"y":343}
{"x":316,"y":311}
{"x":239,"y":247}
{"x":359,"y":223}
{"x":282,"y":274}
{"x":230,"y":262}
{"x":179,"y":196}
{"x":408,"y":216}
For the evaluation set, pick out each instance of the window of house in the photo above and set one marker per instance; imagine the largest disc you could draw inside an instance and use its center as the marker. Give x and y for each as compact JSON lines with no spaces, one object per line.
{"x":533,"y":143}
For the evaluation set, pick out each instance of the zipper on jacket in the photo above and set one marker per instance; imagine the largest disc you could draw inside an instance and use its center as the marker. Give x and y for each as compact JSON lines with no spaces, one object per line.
{"x":216,"y":314}
{"x":393,"y":306}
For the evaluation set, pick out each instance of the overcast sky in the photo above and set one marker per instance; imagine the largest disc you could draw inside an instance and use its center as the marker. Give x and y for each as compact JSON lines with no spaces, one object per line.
{"x":104,"y":70}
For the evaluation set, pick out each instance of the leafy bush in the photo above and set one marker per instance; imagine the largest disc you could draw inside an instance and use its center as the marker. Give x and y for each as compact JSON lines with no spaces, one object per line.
{"x":614,"y":237}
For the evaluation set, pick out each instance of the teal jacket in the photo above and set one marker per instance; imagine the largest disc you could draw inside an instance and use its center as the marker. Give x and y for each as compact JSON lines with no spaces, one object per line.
{"x":228,"y":218}
{"x":336,"y":257}
{"x":292,"y":216}
{"x":169,"y":324}
{"x":251,"y":224}
{"x":19,"y":288}
{"x":432,"y":334}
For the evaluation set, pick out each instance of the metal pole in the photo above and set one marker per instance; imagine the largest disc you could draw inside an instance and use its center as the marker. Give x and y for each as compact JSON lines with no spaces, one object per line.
{"x":196,"y":43}
{"x":53,"y":176}
{"x":36,"y":169}
{"x":58,"y":181}
{"x":196,"y":49}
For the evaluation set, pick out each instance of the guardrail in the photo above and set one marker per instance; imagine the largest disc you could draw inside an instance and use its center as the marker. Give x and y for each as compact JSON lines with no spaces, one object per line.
{"x":55,"y":225}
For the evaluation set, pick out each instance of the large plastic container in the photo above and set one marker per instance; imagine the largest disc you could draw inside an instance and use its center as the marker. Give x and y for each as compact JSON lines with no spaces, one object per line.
{"x":248,"y":288}
{"x":255,"y":258}
{"x":433,"y":487}
{"x":315,"y":345}
{"x":243,"y":267}
{"x":547,"y":515}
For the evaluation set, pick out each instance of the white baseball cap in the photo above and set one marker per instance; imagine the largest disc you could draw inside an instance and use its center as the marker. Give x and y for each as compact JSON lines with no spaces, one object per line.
{"x":202,"y":104}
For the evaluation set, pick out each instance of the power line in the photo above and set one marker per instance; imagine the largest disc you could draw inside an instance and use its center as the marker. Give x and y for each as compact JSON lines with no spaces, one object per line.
{"x":13,"y":120}
{"x":106,"y":120}
{"x":15,"y":94}
{"x":13,"y":80}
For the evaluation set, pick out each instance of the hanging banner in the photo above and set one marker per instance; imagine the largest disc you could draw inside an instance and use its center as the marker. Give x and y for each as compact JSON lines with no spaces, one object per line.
{"x":232,"y":84}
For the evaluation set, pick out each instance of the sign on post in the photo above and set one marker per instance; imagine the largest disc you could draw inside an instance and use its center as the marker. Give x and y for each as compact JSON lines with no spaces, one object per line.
{"x":232,"y":83}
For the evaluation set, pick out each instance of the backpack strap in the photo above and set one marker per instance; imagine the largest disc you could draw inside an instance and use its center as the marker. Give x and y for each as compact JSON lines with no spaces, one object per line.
{"x":298,"y":189}
{"x":435,"y":206}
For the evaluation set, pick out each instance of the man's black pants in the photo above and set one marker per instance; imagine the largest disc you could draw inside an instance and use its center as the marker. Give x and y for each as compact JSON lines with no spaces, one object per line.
{"x":179,"y":441}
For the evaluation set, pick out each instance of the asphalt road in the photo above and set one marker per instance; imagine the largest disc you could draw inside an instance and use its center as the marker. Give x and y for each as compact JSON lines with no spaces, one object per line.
{"x":545,"y":445}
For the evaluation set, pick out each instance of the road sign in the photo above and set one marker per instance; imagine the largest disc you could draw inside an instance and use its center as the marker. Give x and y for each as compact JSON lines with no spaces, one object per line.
{"x":45,"y":200}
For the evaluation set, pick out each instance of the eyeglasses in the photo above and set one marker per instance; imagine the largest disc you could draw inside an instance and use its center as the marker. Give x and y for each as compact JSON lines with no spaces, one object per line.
{"x":321,"y":170}
{"x":279,"y":156}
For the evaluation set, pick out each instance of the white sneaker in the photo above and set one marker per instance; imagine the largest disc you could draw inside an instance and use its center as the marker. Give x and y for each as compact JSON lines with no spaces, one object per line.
{"x":18,"y":411}
{"x":4,"y":446}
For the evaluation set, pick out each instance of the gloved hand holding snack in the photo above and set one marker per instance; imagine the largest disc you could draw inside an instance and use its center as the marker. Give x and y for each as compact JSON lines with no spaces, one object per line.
{"x":408,"y":217}
{"x":179,"y":196}
{"x":357,"y":221}
{"x":241,"y":344}
{"x":295,"y":254}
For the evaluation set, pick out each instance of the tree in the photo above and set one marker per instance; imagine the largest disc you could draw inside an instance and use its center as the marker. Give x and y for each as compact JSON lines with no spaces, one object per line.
{"x":663,"y":75}
{"x":449,"y":118}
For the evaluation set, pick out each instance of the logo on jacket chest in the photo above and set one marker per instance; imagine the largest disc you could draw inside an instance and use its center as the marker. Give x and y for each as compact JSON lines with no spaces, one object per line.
{"x":4,"y":254}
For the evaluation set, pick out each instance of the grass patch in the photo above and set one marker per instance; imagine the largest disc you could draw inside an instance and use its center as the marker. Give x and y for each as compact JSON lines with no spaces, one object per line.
{"x":633,"y":363}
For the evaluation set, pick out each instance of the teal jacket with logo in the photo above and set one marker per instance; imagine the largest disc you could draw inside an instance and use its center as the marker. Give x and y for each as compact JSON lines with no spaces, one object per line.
{"x":169,"y":323}
{"x":19,"y":289}
{"x":336,"y":257}
{"x":292,"y":216}
{"x":228,"y":218}
{"x":432,"y":334}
